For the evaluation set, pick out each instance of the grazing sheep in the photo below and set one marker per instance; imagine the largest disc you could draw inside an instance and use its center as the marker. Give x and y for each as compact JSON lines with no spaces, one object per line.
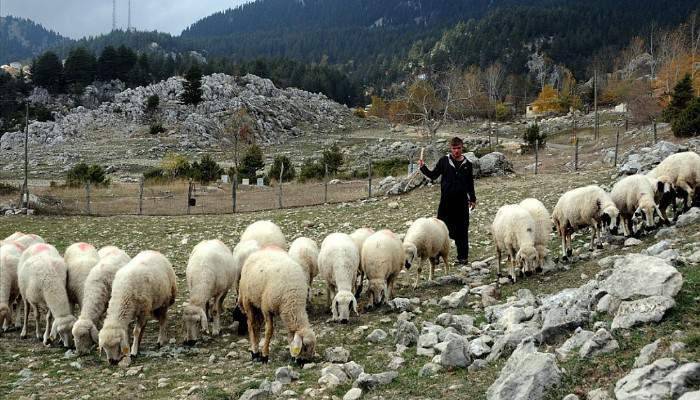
{"x":305,"y":252}
{"x":513,"y":231}
{"x":10,"y":252}
{"x":241,"y":253}
{"x":427,"y":238}
{"x":144,"y":287}
{"x":98,"y":289}
{"x":359,"y":236}
{"x":41,"y":276}
{"x":109,"y":250}
{"x":633,"y":195}
{"x":543,"y":227}
{"x":682,"y":171}
{"x":80,"y":258}
{"x":582,"y":207}
{"x":382,"y":257}
{"x":272,"y":283}
{"x":338,"y":261}
{"x":211,"y":273}
{"x":266,"y":233}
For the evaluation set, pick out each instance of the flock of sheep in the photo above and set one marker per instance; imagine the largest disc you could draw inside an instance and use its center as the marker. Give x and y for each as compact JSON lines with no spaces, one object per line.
{"x":272,"y":279}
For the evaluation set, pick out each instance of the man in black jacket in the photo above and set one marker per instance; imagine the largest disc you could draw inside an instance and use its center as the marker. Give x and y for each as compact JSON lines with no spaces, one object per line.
{"x":456,"y":194}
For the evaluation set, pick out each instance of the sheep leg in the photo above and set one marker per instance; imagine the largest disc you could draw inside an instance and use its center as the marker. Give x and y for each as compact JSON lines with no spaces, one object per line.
{"x":47,"y":331}
{"x":511,"y":270}
{"x":162,"y":316}
{"x":269,"y":327}
{"x":218,"y":306}
{"x":252,"y":319}
{"x":37,"y":329}
{"x":390,"y":288}
{"x":563,"y":243}
{"x":18,"y":312}
{"x":23,"y":334}
{"x":498,"y":262}
{"x":419,"y":271}
{"x":625,"y":227}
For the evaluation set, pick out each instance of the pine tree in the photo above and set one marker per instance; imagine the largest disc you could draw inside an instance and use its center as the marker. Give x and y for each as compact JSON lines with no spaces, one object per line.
{"x":80,"y":69}
{"x":687,"y":122}
{"x":107,"y":64}
{"x":47,"y":72}
{"x":680,"y":98}
{"x":193,"y":86}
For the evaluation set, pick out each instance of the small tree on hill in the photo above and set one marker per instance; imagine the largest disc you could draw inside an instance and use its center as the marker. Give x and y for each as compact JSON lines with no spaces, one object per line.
{"x":193,"y":86}
{"x":47,"y":72}
{"x":333,"y":158}
{"x":687,"y":123}
{"x":251,"y":162}
{"x":533,"y":136}
{"x":680,"y":98}
{"x":82,"y":173}
{"x":289,"y":171}
{"x":207,"y":170}
{"x":175,"y":165}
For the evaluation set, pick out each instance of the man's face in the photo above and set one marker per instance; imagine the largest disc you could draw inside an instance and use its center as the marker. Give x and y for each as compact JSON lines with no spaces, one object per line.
{"x":456,"y":151}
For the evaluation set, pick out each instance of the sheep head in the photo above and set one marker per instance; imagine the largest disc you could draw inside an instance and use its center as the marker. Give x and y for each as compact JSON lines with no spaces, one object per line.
{"x":527,"y":258}
{"x":113,"y":340}
{"x":63,"y":327}
{"x":303,"y":345}
{"x":377,"y":292}
{"x":194,"y":319}
{"x":610,"y":219}
{"x":85,"y":336}
{"x":410,"y":253}
{"x":343,"y":303}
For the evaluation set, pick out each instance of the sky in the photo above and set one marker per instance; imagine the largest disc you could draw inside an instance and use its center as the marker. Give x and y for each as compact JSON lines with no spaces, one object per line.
{"x":79,"y":18}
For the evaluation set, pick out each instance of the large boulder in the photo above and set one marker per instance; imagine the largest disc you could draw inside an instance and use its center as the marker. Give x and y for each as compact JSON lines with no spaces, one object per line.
{"x":639,"y":275}
{"x":664,"y":379}
{"x":495,"y":164}
{"x":648,"y":309}
{"x":526,"y":376}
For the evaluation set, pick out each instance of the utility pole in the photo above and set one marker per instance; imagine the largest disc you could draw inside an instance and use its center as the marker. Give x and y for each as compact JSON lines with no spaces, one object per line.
{"x":128,"y":23}
{"x":595,"y":101}
{"x":24,"y":196}
{"x":114,"y":15}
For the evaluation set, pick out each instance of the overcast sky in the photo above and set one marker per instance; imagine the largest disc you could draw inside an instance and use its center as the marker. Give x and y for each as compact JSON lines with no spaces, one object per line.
{"x":78,"y":18}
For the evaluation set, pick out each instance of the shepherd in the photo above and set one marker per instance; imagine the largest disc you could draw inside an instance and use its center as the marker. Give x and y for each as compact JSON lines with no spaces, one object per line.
{"x":457,"y":197}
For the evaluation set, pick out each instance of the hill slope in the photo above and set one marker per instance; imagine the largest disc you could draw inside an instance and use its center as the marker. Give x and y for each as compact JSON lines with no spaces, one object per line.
{"x":21,"y":38}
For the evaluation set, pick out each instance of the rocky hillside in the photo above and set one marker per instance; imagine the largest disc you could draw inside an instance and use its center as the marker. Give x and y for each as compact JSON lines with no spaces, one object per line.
{"x":275,"y":115}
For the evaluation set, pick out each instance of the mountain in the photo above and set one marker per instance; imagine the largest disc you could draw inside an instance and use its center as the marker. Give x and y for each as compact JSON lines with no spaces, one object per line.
{"x":23,"y":39}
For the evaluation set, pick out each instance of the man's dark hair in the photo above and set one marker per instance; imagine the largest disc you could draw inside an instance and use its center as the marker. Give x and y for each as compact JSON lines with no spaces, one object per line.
{"x":455,"y":141}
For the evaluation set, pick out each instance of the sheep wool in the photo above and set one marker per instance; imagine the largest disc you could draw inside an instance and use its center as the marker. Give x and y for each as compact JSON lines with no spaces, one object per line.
{"x":427,"y":239}
{"x":42,"y":284}
{"x":513,"y":232}
{"x":338,"y":261}
{"x":10,"y":252}
{"x":383,"y":258}
{"x":543,"y":227}
{"x":632,"y":195}
{"x":211,"y":272}
{"x":266,"y":233}
{"x":80,"y":258}
{"x":145,"y":287}
{"x":96,"y":295}
{"x":305,"y":252}
{"x":682,"y":172}
{"x":273,"y":284}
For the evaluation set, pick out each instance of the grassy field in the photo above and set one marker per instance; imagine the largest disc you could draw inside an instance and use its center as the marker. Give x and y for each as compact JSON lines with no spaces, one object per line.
{"x":221,"y":366}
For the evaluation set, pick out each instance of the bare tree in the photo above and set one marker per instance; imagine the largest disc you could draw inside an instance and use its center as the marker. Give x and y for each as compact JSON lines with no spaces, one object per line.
{"x":537,"y":64}
{"x":493,"y":77}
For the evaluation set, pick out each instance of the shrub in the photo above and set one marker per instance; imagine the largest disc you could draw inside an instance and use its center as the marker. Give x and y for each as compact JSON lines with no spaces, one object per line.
{"x":680,"y":99}
{"x":289,"y":171}
{"x":154,"y":174}
{"x":152,"y":103}
{"x":503,"y":112}
{"x":6,"y":188}
{"x":175,"y":165}
{"x":360,"y":112}
{"x":533,"y":135}
{"x":312,"y":169}
{"x":81,"y":174}
{"x":156,"y":128}
{"x":252,"y":161}
{"x":43,"y":114}
{"x":393,"y":166}
{"x":333,"y":158}
{"x":687,"y":123}
{"x":205,"y":171}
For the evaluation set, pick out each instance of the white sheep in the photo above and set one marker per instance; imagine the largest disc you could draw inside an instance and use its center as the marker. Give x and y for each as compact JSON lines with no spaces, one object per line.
{"x":582,"y":207}
{"x":41,"y":275}
{"x":305,"y":252}
{"x":10,"y":252}
{"x":109,"y":250}
{"x":210,"y":273}
{"x":633,"y":195}
{"x":383,"y":258}
{"x":80,"y":258}
{"x":513,"y":231}
{"x":96,"y":295}
{"x":273,"y":284}
{"x":240,"y":254}
{"x":427,"y":238}
{"x":543,"y":227}
{"x":682,"y":171}
{"x":338,"y":262}
{"x":265,"y":233}
{"x":359,"y":236}
{"x":144,"y":287}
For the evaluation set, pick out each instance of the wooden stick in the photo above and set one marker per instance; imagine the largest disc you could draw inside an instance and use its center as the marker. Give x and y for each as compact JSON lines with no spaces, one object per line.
{"x":421,"y":153}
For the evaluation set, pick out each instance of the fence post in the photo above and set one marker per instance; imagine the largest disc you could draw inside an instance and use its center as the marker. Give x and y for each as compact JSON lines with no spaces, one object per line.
{"x":325,"y":185}
{"x":537,"y":154}
{"x":627,"y":124}
{"x":370,"y":179}
{"x":279,"y":196}
{"x":576,"y":154}
{"x":496,"y":130}
{"x":87,"y":196}
{"x":189,"y":197}
{"x":617,"y":145}
{"x":490,"y":132}
{"x":655,"y":138}
{"x":234,"y":187}
{"x":141,"y":196}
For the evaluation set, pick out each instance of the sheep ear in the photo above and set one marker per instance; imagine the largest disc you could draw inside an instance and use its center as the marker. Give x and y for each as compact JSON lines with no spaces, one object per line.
{"x":354,"y":306}
{"x":93,"y":334}
{"x":334,"y":309}
{"x":295,"y":346}
{"x":124,"y":347}
{"x":203,"y":321}
{"x":54,"y":331}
